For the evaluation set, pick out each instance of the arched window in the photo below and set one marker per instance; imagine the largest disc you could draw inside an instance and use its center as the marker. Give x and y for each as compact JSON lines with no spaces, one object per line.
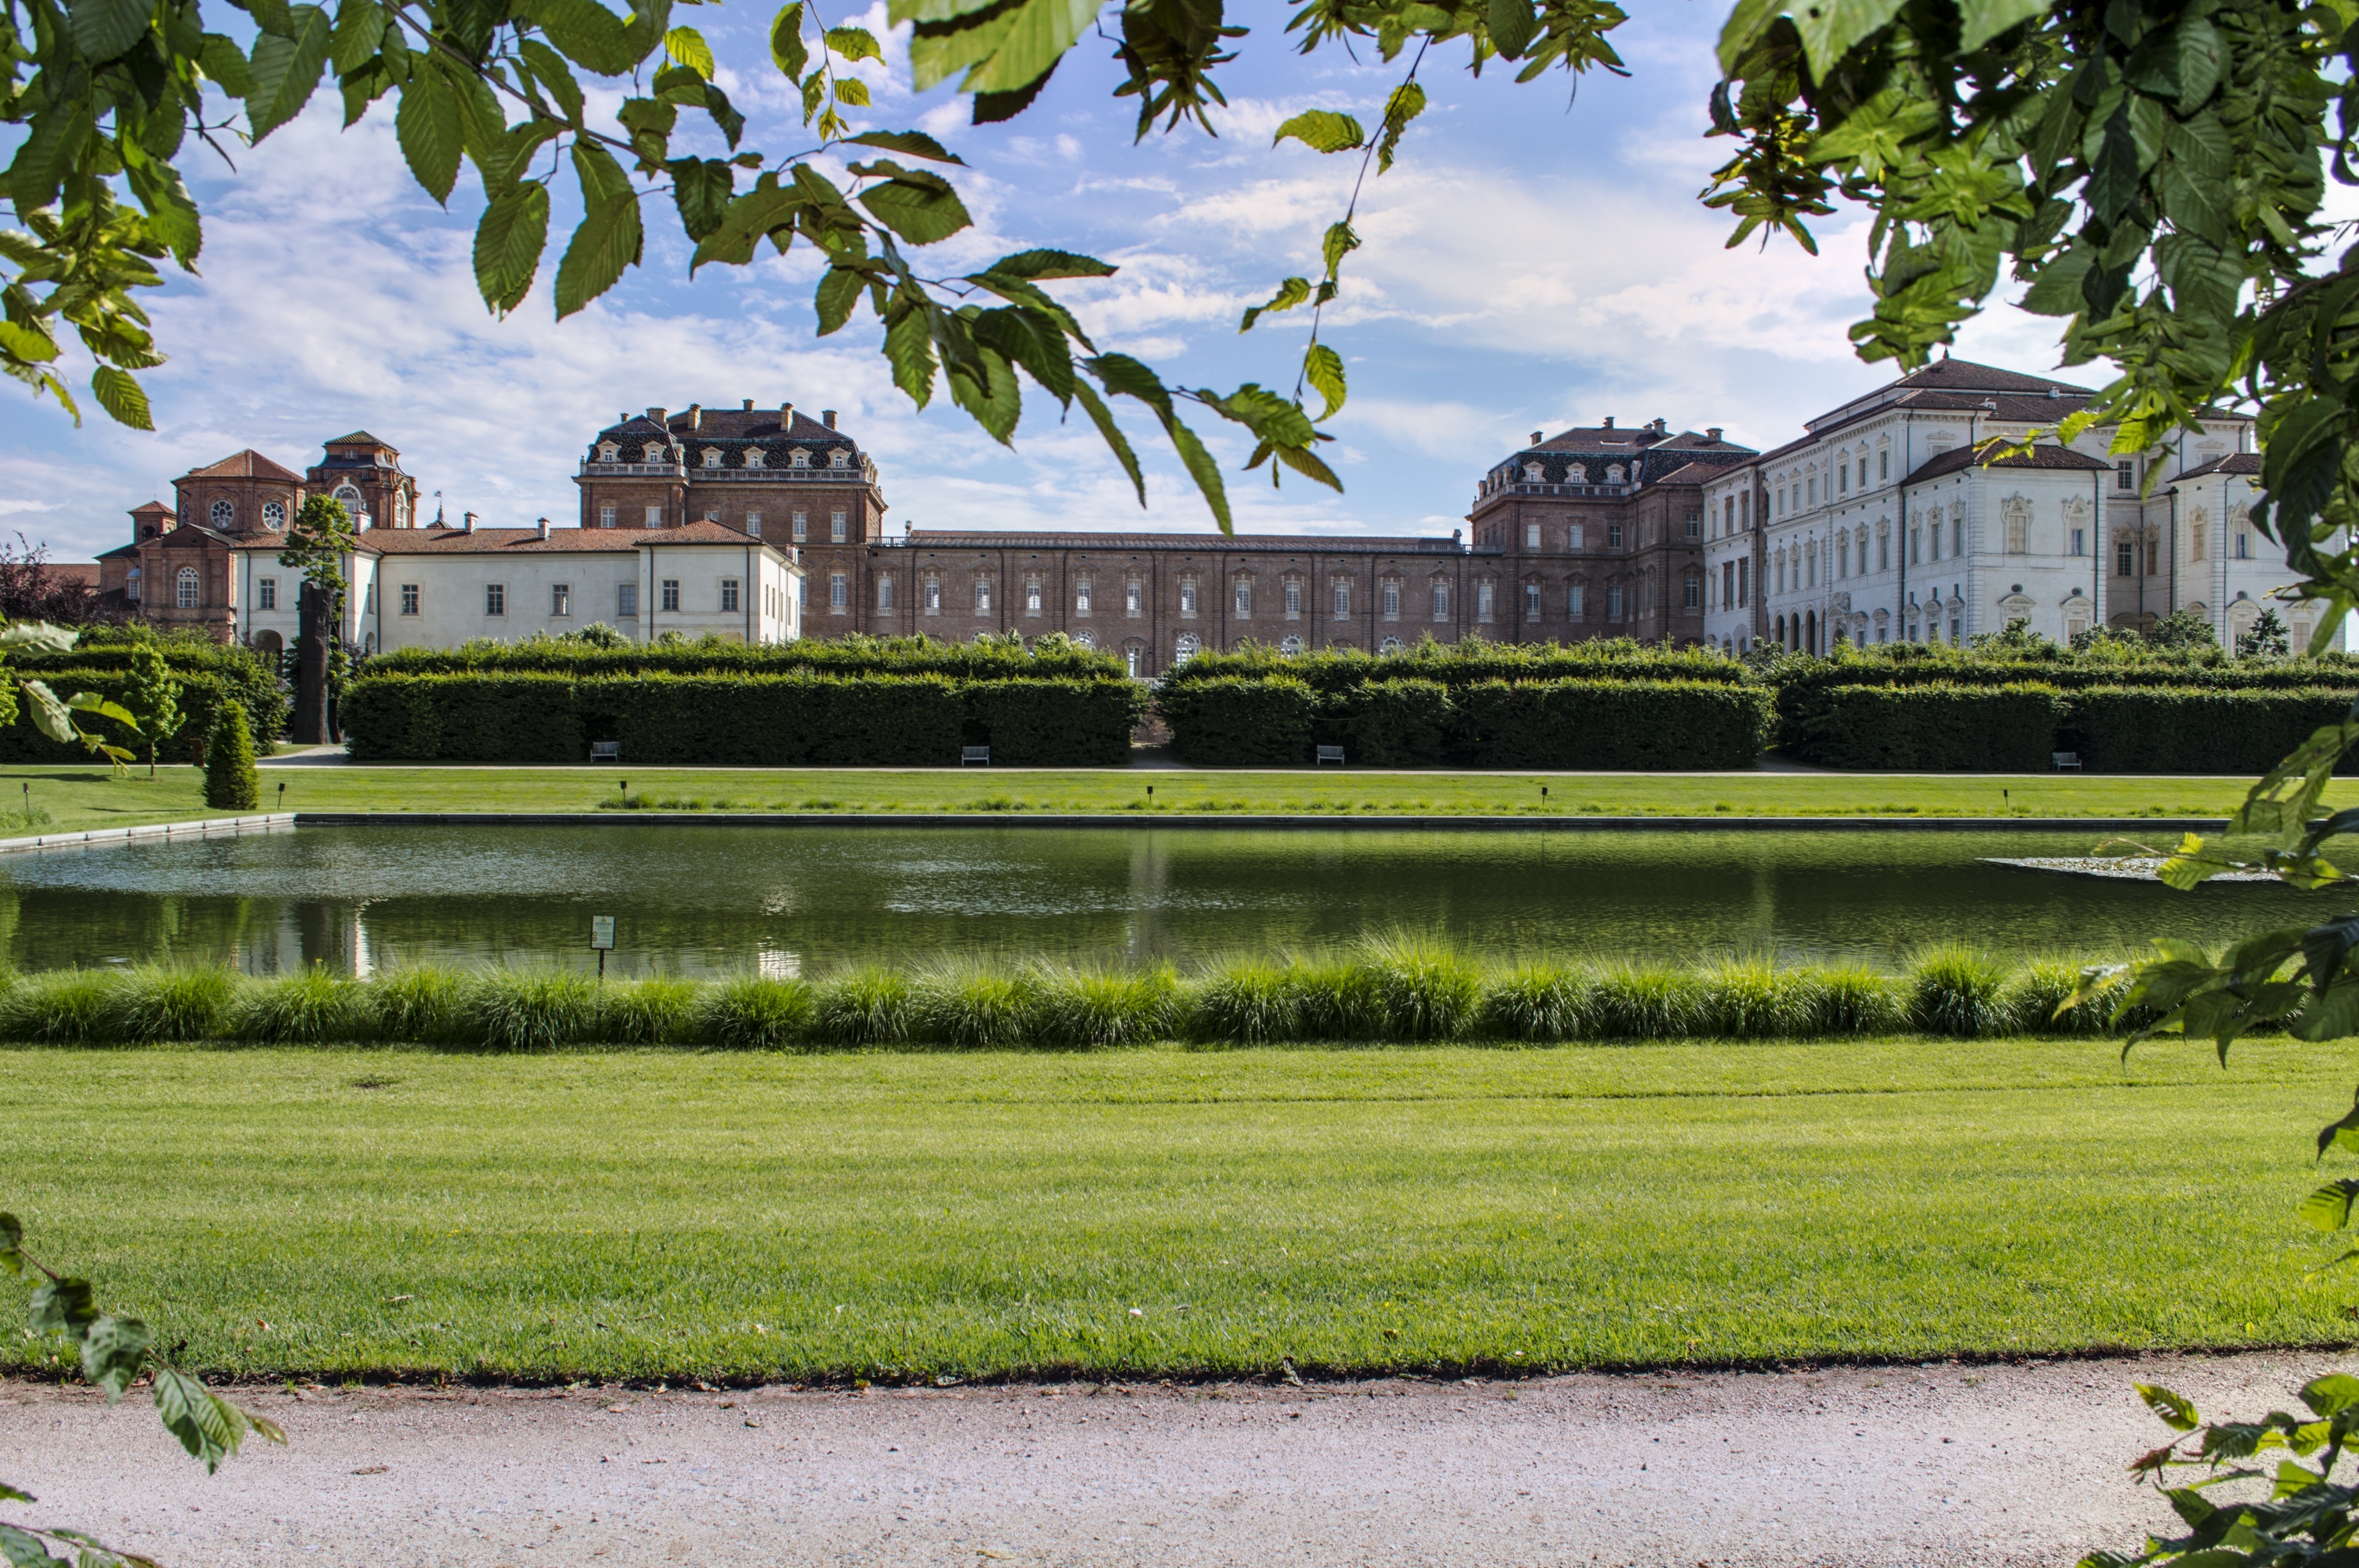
{"x":609,"y":453}
{"x":1614,"y":473}
{"x":1185,"y":648}
{"x":655,"y":452}
{"x":799,"y":458}
{"x":225,"y":514}
{"x":274,"y":513}
{"x":1577,"y":474}
{"x":1532,"y":474}
{"x":184,"y":589}
{"x":347,"y":497}
{"x":752,"y":457}
{"x":713,"y":457}
{"x":1086,"y":638}
{"x":1389,"y":645}
{"x":839,"y":458}
{"x":1290,"y":646}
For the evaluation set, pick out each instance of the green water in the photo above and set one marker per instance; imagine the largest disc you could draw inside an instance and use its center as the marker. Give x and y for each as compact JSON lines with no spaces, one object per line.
{"x":700,"y":899}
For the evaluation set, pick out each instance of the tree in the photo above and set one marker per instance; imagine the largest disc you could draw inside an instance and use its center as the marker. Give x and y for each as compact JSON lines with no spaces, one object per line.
{"x":33,"y":589}
{"x":153,"y":697}
{"x":2181,"y":631}
{"x":231,"y":782}
{"x":321,"y":536}
{"x":2267,"y":638}
{"x":114,"y":1352}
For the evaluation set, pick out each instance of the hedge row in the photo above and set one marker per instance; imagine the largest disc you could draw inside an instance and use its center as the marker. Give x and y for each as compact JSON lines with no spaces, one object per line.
{"x":1053,"y":658}
{"x":1399,"y":990}
{"x":209,"y":675}
{"x":2018,"y":727}
{"x":1280,"y":718}
{"x":758,"y":721}
{"x":1333,"y":673}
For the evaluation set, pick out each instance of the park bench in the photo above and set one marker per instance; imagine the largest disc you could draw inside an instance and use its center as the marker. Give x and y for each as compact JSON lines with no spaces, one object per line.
{"x":974,"y":754}
{"x":1330,"y":754}
{"x":605,"y":750}
{"x":2064,"y":759}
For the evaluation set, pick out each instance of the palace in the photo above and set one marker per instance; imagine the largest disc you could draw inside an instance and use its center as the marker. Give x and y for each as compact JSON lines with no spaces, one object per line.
{"x":764,"y":524}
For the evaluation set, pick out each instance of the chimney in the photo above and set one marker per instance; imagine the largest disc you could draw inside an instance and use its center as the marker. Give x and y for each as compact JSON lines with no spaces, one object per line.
{"x":829,"y":416}
{"x":786,"y":417}
{"x":657,"y":417}
{"x":696,"y":417}
{"x":749,"y":405}
{"x":1536,"y":438}
{"x":1711,"y":433}
{"x":1609,"y":421}
{"x":467,"y":527}
{"x":541,"y":527}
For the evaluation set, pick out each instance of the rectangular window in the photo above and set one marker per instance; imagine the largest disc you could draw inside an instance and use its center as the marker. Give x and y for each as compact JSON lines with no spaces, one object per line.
{"x":2244,"y":547}
{"x":932,"y":596}
{"x":754,"y":524}
{"x":560,"y":598}
{"x":605,"y":517}
{"x":1957,"y":535}
{"x":2125,"y":475}
{"x":1613,"y":603}
{"x":1693,"y":593}
{"x":802,"y":593}
{"x":368,"y":601}
{"x":1133,"y":599}
{"x":669,"y":602}
{"x":2125,"y":559}
{"x":1863,"y":473}
{"x":1727,"y":584}
{"x":266,"y":594}
{"x":836,"y":594}
{"x":1883,"y":552}
{"x":496,"y":598}
{"x":1244,"y":599}
{"x":1293,"y":599}
{"x":1744,"y":581}
{"x":627,"y":601}
{"x":409,"y":598}
{"x":983,"y":595}
{"x":885,"y":590}
{"x":1031,"y":596}
{"x":1695,"y":525}
{"x":655,"y":516}
{"x":1814,"y":493}
{"x":2195,"y":542}
{"x":1573,"y":537}
{"x":801,"y":529}
{"x":1342,"y":601}
{"x":838,"y":527}
{"x":728,"y":594}
{"x":1531,"y":535}
{"x":1842,"y":480}
{"x":1188,"y":596}
{"x":1531,"y":601}
{"x":1883,"y":464}
{"x":1082,"y":597}
{"x":2080,"y":541}
{"x":1576,"y":602}
{"x":1614,"y":535}
{"x":1392,"y":602}
{"x":1482,"y":602}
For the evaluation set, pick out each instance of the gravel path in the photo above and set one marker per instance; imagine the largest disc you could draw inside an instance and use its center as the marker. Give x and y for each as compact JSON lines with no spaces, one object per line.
{"x":1909,"y":1465}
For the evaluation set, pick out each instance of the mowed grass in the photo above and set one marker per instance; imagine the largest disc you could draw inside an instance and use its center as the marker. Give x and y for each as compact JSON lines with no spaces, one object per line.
{"x":1163,"y":1212}
{"x":78,"y":798}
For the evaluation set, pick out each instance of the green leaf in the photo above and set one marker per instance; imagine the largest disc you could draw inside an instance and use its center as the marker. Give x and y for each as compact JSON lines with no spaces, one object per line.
{"x":700,"y":188}
{"x":1050,"y":264}
{"x":1322,"y":130}
{"x":1322,"y":367}
{"x":30,"y":342}
{"x":2177,"y":1413}
{"x":605,"y":244}
{"x":993,"y":398}
{"x":1005,"y":50}
{"x":2331,"y":1395}
{"x":1982,"y":20}
{"x":24,"y":1551}
{"x":509,"y":240}
{"x":359,"y":32}
{"x":92,"y":702}
{"x":854,"y":44}
{"x":1032,"y":340}
{"x":1746,"y":22}
{"x":1512,"y":26}
{"x":1102,"y":417}
{"x":686,"y":46}
{"x":121,"y":396}
{"x":787,"y":50}
{"x":12,"y":1246}
{"x":60,"y":1306}
{"x":1204,"y":470}
{"x":838,"y":294}
{"x":1340,"y":242}
{"x":587,"y":34}
{"x":1290,"y":293}
{"x":1831,"y":28}
{"x":283,"y":71}
{"x":106,"y":28}
{"x":1406,"y":102}
{"x":909,"y":349}
{"x":2329,"y":1208}
{"x":917,"y":144}
{"x":113,"y":1351}
{"x":426,"y":125}
{"x":208,"y":1426}
{"x":920,"y":208}
{"x":851,"y":90}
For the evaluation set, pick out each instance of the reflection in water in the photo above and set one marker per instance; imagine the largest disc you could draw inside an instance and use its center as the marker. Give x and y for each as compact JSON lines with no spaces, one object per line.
{"x":700,"y":899}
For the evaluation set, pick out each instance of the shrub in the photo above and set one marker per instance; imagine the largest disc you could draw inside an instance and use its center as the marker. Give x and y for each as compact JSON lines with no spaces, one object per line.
{"x":1754,"y":999}
{"x":755,"y":1012}
{"x":1425,"y":989}
{"x":988,"y":658}
{"x":1240,"y":722}
{"x":531,"y":1009}
{"x":1635,"y":1003}
{"x":312,"y":1008}
{"x":862,"y":1007}
{"x":1851,"y":1000}
{"x":973,"y":1007}
{"x":1953,"y":990}
{"x":2134,"y":729}
{"x":61,"y":1006}
{"x":157,"y":1004}
{"x":1400,"y":723}
{"x":1092,"y":1009}
{"x":420,"y":1005}
{"x":662,"y":1010}
{"x":1974,"y":728}
{"x":1337,"y":999}
{"x":231,"y":782}
{"x":208,"y":674}
{"x":1538,"y":1002}
{"x":1248,"y":1002}
{"x":2031,"y":996}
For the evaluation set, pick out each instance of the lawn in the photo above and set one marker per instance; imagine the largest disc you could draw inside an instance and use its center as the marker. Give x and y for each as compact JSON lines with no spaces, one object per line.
{"x":77,"y":798}
{"x":1148,"y":1212}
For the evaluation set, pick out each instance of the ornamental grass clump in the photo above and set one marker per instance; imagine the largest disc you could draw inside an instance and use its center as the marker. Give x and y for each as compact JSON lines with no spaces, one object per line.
{"x":154,"y":1002}
{"x":1633,"y":1001}
{"x":421,"y":1006}
{"x":756,"y":1013}
{"x":661,"y":1011}
{"x":1851,"y":999}
{"x":1338,"y":999}
{"x":1248,"y":1002}
{"x":1092,"y":1008}
{"x":1954,"y":991}
{"x":530,"y":1010}
{"x":63,"y":1007}
{"x":2032,"y":997}
{"x":862,"y":1007}
{"x":1538,"y":1002}
{"x":312,"y":1008}
{"x":976,"y":1009}
{"x":1752,"y":998}
{"x":1425,"y":989}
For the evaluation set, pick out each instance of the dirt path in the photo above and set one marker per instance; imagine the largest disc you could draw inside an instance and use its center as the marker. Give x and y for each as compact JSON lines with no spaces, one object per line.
{"x":1889,"y":1465}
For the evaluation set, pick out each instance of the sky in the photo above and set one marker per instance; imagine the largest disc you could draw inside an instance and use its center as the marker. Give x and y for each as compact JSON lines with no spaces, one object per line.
{"x":1537,"y":258}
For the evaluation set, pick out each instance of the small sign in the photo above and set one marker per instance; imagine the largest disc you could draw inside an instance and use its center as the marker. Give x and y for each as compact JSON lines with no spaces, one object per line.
{"x":601,"y":932}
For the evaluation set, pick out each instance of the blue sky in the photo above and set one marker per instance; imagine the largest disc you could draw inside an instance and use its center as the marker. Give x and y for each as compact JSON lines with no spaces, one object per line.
{"x":1534,"y":261}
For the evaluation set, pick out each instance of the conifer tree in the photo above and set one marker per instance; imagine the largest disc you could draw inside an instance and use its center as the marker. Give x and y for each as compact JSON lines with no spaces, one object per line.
{"x":231,"y":782}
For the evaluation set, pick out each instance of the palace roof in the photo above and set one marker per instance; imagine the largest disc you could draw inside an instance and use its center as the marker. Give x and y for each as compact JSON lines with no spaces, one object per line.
{"x":2041,"y":457}
{"x":2247,"y":463}
{"x":528,"y":541}
{"x":1211,"y":544}
{"x":248,"y":464}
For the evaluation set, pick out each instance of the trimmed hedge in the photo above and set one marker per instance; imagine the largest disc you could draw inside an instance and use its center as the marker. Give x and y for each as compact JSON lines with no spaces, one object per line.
{"x":2121,"y":730}
{"x":211,"y":674}
{"x":1454,"y":664}
{"x":1931,"y":728}
{"x":1640,"y":725}
{"x":803,"y":718}
{"x":1051,"y":657}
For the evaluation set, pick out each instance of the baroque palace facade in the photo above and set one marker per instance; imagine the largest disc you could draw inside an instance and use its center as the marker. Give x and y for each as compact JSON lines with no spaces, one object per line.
{"x":764,"y":525}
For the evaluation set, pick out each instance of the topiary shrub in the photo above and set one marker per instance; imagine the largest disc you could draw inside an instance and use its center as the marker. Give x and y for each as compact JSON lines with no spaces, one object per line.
{"x":231,"y":782}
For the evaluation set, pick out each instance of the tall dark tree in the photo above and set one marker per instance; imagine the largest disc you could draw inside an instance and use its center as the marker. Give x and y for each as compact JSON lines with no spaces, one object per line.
{"x":316,"y":546}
